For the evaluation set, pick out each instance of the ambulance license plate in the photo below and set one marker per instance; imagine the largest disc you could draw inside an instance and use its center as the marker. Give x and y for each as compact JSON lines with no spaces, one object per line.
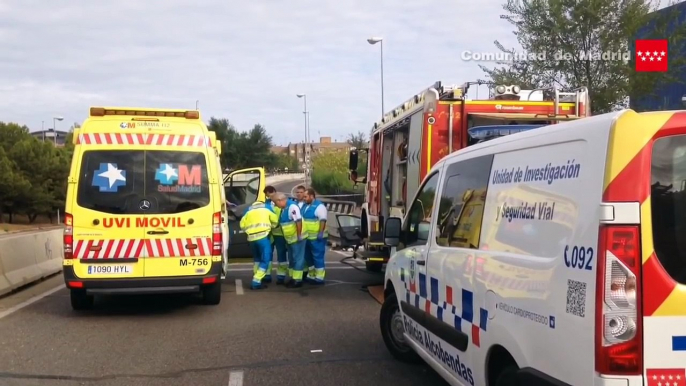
{"x":110,"y":269}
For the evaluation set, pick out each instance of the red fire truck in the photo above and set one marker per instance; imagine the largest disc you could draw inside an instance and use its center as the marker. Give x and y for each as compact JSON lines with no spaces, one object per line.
{"x":411,"y":138}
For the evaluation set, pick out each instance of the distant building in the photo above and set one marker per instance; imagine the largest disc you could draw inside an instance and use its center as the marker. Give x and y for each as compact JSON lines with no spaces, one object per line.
{"x":324,"y":145}
{"x":58,"y":137}
{"x":667,"y":96}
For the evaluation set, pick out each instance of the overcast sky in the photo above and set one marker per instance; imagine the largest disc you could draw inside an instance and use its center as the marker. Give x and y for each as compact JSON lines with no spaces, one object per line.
{"x":243,"y":60}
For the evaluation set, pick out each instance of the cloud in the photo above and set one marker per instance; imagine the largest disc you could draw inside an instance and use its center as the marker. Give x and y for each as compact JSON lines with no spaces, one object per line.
{"x":244,"y":61}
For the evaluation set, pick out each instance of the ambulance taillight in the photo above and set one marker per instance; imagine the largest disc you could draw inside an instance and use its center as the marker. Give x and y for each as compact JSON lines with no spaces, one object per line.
{"x":618,"y":324}
{"x":68,"y":237}
{"x":217,"y":241}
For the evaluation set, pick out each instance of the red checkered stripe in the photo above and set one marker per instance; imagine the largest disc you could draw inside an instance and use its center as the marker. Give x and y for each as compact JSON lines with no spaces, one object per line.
{"x":109,"y":249}
{"x":143,"y":139}
{"x":137,"y":248}
{"x":178,"y":247}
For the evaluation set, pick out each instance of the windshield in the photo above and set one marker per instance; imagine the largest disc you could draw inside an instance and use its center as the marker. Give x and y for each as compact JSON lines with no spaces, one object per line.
{"x":117,"y":181}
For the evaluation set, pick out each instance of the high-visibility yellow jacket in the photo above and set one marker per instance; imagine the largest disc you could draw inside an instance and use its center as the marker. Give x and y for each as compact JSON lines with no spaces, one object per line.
{"x":258,"y":221}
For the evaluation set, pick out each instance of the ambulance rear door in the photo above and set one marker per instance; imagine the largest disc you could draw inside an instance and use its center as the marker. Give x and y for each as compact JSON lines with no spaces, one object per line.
{"x":109,"y":185}
{"x":178,"y":210}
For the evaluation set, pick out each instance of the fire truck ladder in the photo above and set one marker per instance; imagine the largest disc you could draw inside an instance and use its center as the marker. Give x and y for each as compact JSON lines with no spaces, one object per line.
{"x":575,"y":96}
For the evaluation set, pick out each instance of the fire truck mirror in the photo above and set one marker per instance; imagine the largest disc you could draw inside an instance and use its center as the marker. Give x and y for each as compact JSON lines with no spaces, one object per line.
{"x":352,"y":160}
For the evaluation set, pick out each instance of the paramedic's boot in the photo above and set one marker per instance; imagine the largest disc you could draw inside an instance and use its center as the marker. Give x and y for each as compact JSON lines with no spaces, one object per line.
{"x":267,"y":279}
{"x":294,"y":284}
{"x":255,"y":285}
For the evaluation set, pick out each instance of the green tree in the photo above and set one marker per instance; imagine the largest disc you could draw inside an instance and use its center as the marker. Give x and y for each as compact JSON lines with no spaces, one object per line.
{"x":284,"y":161}
{"x":330,"y":174}
{"x":580,"y":31}
{"x":358,"y":140}
{"x":34,"y":173}
{"x":243,"y":149}
{"x":12,"y":185}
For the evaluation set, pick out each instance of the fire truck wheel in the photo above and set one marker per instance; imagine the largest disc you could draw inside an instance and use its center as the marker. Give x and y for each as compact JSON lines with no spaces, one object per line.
{"x":392,"y":329}
{"x":373,"y":267}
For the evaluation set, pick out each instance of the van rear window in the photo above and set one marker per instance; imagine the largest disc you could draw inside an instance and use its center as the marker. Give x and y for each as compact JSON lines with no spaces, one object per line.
{"x":668,"y":204}
{"x":143,"y":181}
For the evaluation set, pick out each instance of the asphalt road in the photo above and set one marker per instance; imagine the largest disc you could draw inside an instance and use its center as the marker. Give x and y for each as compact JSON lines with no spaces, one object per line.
{"x":287,"y":187}
{"x":310,"y":336}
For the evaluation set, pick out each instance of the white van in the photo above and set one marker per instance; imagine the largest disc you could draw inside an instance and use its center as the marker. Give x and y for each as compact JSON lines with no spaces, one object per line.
{"x":555,"y":256}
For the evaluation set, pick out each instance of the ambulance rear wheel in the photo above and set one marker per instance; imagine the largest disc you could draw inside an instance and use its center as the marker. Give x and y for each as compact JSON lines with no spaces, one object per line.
{"x":392,"y":329}
{"x":80,"y":300}
{"x":212,"y":294}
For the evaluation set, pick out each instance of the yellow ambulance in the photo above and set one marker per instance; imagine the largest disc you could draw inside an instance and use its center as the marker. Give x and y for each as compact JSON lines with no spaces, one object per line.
{"x":146,"y":207}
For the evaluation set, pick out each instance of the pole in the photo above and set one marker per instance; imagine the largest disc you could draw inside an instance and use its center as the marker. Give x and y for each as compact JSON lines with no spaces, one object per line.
{"x":306,"y":150}
{"x":54,"y":129}
{"x":383,"y":110}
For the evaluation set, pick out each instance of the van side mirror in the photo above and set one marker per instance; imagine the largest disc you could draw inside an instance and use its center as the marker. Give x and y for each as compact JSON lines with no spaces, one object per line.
{"x":391,"y":231}
{"x":352,"y":160}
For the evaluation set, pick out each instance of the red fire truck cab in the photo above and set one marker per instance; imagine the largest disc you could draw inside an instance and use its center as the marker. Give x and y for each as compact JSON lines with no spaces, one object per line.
{"x":411,"y":138}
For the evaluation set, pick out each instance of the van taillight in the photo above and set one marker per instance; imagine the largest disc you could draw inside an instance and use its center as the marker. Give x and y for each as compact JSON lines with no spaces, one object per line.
{"x":217,"y":234}
{"x":618,"y":322}
{"x":68,"y":237}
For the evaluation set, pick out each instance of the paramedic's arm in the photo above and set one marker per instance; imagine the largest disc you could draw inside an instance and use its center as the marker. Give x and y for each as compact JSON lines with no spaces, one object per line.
{"x":242,"y":224}
{"x":294,"y":215}
{"x":322,"y":214}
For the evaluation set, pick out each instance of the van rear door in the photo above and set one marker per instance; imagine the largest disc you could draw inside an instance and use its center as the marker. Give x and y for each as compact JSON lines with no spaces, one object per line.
{"x":178,"y":220}
{"x":664,"y":267}
{"x":106,"y":242}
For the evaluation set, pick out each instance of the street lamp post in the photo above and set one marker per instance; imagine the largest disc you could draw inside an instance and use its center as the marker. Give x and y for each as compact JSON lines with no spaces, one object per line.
{"x":373,"y":41}
{"x":306,"y":146}
{"x":54,"y":129}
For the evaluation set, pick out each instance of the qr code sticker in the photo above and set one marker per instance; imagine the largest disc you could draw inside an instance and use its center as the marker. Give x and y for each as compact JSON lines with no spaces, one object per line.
{"x":576,"y":298}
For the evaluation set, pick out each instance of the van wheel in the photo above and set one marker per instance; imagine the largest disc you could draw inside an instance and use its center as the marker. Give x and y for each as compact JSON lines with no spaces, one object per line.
{"x":392,"y":329}
{"x":80,"y":300}
{"x":508,"y":377}
{"x":212,"y":294}
{"x":373,"y":267}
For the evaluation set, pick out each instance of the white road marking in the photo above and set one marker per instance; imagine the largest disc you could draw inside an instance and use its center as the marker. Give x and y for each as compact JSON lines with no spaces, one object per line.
{"x":315,"y":351}
{"x":236,"y":378}
{"x":30,"y":301}
{"x":239,"y":291}
{"x":346,"y":254}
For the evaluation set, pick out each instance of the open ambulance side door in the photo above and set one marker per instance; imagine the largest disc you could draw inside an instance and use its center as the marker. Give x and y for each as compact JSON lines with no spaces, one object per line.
{"x":242,"y":188}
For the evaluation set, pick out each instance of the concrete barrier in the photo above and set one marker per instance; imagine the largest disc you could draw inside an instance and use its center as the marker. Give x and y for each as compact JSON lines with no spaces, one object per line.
{"x":27,"y":257}
{"x":284,"y":177}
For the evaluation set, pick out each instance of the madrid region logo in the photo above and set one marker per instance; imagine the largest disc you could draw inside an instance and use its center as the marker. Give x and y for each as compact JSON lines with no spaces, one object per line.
{"x":109,"y":178}
{"x":179,"y":178}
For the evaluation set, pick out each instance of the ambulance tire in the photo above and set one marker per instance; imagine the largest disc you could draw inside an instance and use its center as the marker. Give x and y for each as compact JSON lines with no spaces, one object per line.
{"x":508,"y":377}
{"x":391,"y":319}
{"x":80,"y":300}
{"x":212,"y":294}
